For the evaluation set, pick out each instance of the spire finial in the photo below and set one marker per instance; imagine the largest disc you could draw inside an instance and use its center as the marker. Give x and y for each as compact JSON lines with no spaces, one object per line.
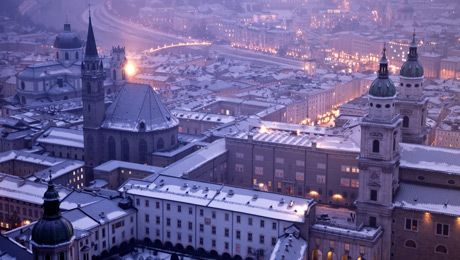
{"x":50,"y":174}
{"x":66,"y":18}
{"x":89,"y":10}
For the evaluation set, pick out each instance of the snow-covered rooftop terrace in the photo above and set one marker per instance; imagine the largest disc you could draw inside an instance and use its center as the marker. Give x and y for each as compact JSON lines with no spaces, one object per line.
{"x":247,"y":201}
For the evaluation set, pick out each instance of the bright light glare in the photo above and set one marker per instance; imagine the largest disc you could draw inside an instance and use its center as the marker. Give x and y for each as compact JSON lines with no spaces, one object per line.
{"x":130,"y":69}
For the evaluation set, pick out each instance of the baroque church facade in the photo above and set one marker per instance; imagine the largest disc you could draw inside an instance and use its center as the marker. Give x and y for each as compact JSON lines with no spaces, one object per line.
{"x":60,"y":79}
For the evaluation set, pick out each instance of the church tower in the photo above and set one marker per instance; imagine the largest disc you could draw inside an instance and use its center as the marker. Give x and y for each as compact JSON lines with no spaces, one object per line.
{"x":118,"y":63}
{"x":379,"y":157}
{"x":411,"y":104}
{"x":52,"y":235}
{"x":92,"y":73}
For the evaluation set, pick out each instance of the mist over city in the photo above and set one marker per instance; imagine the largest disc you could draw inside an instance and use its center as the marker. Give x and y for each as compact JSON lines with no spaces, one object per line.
{"x":229,"y":129}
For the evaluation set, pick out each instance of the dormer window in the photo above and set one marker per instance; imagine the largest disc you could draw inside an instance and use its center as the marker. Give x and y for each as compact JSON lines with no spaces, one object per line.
{"x":142,"y":126}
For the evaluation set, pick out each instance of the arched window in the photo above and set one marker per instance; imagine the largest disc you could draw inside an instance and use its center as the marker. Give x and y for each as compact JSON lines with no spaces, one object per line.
{"x":410,"y":243}
{"x":173,"y":140}
{"x":57,"y":55}
{"x":114,"y":75}
{"x":62,"y":256}
{"x":23,"y":99}
{"x":405,"y":121}
{"x":23,"y":85}
{"x":112,"y":148}
{"x":160,"y":144}
{"x":99,"y":87}
{"x":88,"y":88}
{"x":123,"y":74}
{"x":76,"y":55}
{"x":142,"y":126}
{"x":441,"y":249}
{"x":125,"y":149}
{"x":66,"y":56}
{"x":142,"y":151}
{"x":47,"y":257}
{"x":375,"y":146}
{"x":394,"y":143}
{"x":401,"y":84}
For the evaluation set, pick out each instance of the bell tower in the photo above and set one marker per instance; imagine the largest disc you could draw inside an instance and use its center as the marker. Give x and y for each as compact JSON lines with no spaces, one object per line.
{"x":411,"y":104}
{"x":379,"y":157}
{"x":52,"y":235}
{"x":92,"y":73}
{"x":118,"y":63}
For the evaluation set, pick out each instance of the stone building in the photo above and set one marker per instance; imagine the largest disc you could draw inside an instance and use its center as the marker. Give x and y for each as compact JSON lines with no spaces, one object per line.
{"x":135,"y":125}
{"x":411,"y":103}
{"x":61,"y":79}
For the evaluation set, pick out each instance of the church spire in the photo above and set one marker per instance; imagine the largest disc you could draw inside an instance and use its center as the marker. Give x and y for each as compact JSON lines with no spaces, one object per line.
{"x":91,"y":50}
{"x":383,"y":70}
{"x":413,"y":49}
{"x":51,"y":202}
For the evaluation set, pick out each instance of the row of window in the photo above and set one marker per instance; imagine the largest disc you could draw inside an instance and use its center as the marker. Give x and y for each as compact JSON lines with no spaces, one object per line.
{"x":190,"y":224}
{"x":379,"y":105}
{"x":67,"y":56}
{"x":441,"y":229}
{"x":422,"y":178}
{"x":142,"y":147}
{"x":410,"y":85}
{"x":438,"y":249}
{"x":201,"y":239}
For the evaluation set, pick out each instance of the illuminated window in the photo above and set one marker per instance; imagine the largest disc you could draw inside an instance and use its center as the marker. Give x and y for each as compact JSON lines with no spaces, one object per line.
{"x":320,"y":178}
{"x":411,"y":224}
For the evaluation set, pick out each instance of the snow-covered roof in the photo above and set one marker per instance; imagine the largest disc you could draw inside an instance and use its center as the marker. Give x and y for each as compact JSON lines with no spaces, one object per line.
{"x":62,"y":136}
{"x":290,"y":246}
{"x":114,"y":164}
{"x":29,"y":158}
{"x":138,"y":105}
{"x":59,"y":169}
{"x":194,"y":160}
{"x":429,"y":199}
{"x":430,"y":158}
{"x":247,"y":201}
{"x":28,"y":191}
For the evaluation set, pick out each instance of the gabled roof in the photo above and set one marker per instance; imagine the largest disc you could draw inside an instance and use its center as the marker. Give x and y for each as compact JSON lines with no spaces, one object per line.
{"x":138,"y":105}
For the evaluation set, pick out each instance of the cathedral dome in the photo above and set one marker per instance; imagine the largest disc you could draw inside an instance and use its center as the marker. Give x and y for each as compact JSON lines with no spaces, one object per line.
{"x":383,"y":86}
{"x":52,"y":229}
{"x":412,"y":68}
{"x":52,"y":232}
{"x":67,"y":39}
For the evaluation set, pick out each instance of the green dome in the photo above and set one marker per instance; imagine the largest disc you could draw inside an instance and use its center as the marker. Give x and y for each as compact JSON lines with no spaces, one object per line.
{"x":52,"y":229}
{"x":411,"y":69}
{"x":52,"y":232}
{"x":382,"y":88}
